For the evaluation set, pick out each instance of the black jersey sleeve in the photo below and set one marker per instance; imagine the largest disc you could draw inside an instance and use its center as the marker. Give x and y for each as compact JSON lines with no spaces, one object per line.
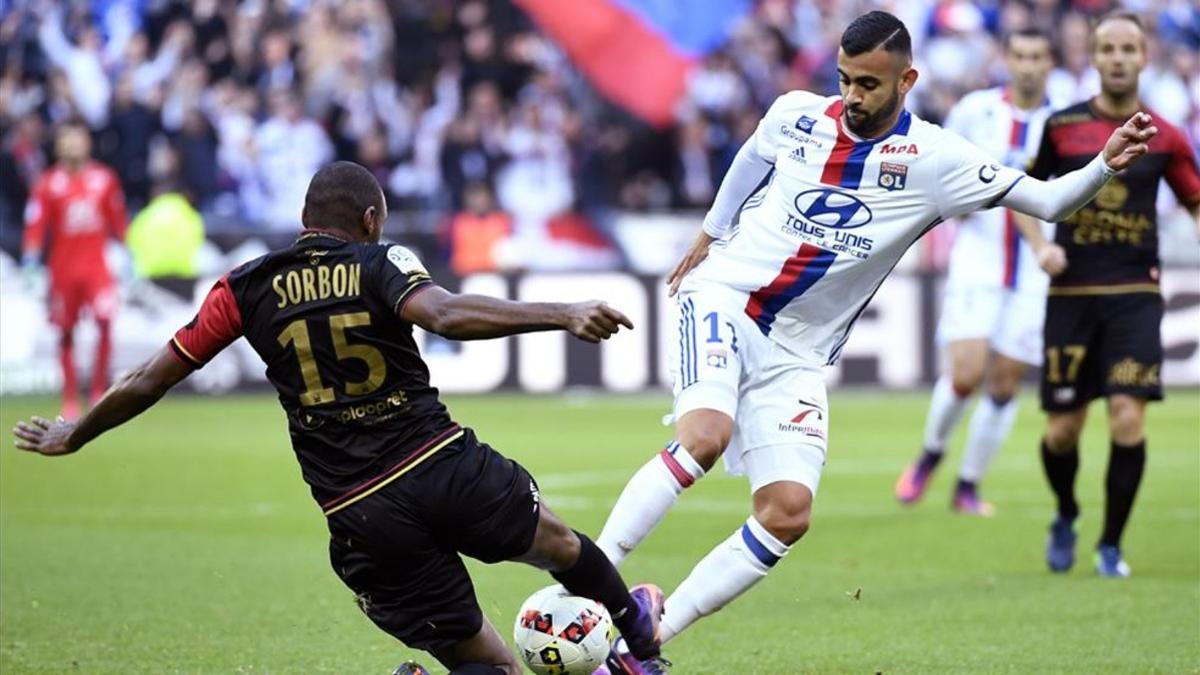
{"x":1045,"y":164}
{"x":398,"y":275}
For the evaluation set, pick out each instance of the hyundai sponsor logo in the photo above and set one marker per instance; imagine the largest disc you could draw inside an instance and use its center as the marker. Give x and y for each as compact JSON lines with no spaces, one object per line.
{"x":833,"y":209}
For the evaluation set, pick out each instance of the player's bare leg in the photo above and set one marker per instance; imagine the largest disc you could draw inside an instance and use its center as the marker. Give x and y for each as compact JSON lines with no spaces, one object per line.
{"x":967,"y":366}
{"x":784,"y":509}
{"x":555,"y":546}
{"x":485,"y":653}
{"x":103,"y":358}
{"x":781,"y":517}
{"x":70,"y":385}
{"x":704,"y":434}
{"x":582,"y":568}
{"x":1126,"y":419}
{"x":989,"y":427}
{"x":700,"y":438}
{"x":1126,"y":463}
{"x":1060,"y":459}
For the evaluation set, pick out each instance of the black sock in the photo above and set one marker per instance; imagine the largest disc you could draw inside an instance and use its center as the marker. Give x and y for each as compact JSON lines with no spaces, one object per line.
{"x":1061,"y":468}
{"x":477,"y":669}
{"x":1125,"y":466}
{"x":593,"y":576}
{"x":965,"y":485}
{"x":929,"y":460}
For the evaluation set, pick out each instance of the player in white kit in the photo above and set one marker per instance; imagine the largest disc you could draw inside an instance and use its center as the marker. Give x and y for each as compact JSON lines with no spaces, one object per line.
{"x":995,"y":299}
{"x":818,"y":206}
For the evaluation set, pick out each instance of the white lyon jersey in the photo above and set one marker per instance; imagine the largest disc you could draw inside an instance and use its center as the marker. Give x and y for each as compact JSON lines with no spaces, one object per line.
{"x":810,"y":247}
{"x":988,"y":250}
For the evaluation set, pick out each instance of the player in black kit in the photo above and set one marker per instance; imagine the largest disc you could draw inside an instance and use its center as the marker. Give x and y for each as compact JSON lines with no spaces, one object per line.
{"x":1102,"y":335}
{"x":405,"y":489}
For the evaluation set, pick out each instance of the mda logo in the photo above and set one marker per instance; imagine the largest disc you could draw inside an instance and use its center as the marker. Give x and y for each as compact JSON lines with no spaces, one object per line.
{"x":833,"y":209}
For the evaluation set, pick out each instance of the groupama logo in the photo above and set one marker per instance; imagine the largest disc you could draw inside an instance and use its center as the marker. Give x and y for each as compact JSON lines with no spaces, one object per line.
{"x":832,"y":209}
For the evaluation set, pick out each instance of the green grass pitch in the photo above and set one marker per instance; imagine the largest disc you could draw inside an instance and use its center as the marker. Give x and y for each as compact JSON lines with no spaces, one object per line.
{"x":186,"y":542}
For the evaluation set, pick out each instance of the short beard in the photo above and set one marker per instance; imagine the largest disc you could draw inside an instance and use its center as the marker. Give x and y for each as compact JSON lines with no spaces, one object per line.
{"x":874,"y":124}
{"x":1121,"y":95}
{"x":1027,"y":92}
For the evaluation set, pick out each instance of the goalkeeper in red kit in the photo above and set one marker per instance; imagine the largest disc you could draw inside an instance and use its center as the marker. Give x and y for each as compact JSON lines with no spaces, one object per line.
{"x":73,"y":209}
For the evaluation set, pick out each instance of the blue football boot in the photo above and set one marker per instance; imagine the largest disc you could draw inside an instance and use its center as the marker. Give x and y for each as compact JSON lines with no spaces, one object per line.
{"x":1109,"y":563}
{"x":1060,"y":545}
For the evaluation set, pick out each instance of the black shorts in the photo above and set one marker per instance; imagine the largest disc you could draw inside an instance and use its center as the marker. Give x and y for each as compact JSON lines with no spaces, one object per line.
{"x":398,"y":549}
{"x":1100,"y":345}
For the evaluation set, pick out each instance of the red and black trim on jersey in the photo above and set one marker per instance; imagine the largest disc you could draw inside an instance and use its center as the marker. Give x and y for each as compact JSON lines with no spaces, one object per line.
{"x":215,"y":326}
{"x":1112,"y":242}
{"x":414,"y":289}
{"x":397,"y":470}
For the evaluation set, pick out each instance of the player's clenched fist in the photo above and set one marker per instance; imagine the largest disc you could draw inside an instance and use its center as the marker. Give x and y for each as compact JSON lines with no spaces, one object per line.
{"x":594,"y":320}
{"x":1129,"y":142}
{"x":1052,"y":259}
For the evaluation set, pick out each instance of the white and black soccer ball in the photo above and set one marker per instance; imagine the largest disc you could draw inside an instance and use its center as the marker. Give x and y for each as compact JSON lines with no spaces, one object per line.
{"x":561,"y":634}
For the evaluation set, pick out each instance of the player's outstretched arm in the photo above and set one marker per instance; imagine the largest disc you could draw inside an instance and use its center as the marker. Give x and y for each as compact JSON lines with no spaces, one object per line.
{"x":126,"y":399}
{"x":1057,"y":199}
{"x":477,"y":317}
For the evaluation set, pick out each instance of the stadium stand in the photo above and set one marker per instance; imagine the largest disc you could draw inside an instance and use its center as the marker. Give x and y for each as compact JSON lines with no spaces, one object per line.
{"x":238,"y":102}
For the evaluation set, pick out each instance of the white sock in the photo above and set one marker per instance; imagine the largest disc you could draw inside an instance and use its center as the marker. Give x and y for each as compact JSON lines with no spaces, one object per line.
{"x":990,"y":425}
{"x":646,"y":499}
{"x":726,"y":572}
{"x":945,"y":411}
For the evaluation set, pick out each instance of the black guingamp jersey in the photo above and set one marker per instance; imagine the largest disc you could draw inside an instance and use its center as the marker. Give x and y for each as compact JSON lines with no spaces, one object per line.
{"x":1112,"y":242}
{"x":323,"y":314}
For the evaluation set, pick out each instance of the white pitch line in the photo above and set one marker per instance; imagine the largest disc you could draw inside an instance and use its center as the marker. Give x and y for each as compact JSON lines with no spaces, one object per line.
{"x":554,"y":481}
{"x":830,"y":508}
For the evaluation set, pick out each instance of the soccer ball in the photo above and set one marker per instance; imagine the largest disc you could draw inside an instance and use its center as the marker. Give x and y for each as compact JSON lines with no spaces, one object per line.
{"x":561,"y":634}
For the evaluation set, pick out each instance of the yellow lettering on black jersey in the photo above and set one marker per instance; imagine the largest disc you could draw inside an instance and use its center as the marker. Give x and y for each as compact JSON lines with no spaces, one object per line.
{"x":320,"y":282}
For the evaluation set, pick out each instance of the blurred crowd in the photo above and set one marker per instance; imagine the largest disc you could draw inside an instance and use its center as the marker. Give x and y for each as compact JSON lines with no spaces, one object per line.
{"x":468,"y":115}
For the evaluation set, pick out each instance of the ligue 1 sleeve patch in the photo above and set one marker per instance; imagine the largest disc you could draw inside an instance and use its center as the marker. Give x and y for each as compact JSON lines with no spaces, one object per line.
{"x":406,"y":261}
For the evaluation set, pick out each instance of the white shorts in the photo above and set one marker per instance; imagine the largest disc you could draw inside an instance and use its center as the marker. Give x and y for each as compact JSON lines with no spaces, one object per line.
{"x":720,"y":360}
{"x":1010,"y":321}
